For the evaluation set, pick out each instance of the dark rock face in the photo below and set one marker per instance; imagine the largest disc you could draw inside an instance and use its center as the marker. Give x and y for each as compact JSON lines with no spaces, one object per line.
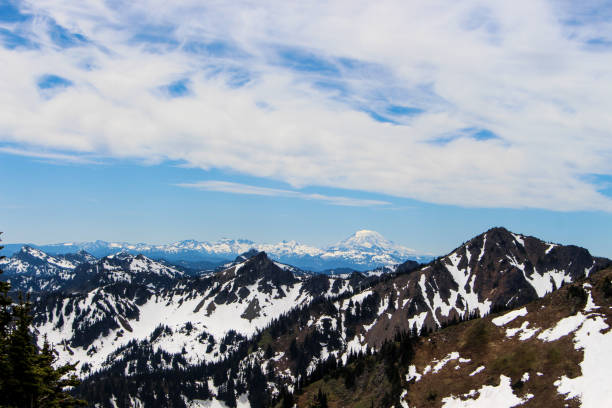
{"x":494,"y":270}
{"x":408,"y":266}
{"x":252,"y":310}
{"x":79,"y":257}
{"x":258,"y":269}
{"x":511,"y":268}
{"x":317,"y":285}
{"x":247,"y":255}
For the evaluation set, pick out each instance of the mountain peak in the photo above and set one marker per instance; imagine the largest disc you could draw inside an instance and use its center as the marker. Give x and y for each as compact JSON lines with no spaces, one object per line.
{"x":248,"y":254}
{"x":365,"y":238}
{"x":28,"y":250}
{"x":368,"y":234}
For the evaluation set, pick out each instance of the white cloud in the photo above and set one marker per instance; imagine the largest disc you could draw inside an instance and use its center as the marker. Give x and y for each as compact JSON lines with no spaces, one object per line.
{"x":52,"y":157}
{"x":509,"y":67}
{"x":239,"y":188}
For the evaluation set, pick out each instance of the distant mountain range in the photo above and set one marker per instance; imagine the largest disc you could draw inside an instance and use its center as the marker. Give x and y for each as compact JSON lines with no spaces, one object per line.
{"x":364,"y":250}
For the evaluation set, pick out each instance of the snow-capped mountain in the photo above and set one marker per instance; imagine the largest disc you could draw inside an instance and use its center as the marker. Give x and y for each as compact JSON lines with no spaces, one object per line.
{"x":362,"y":251}
{"x":366,"y":240}
{"x":120,"y":300}
{"x":493,"y":271}
{"x":302,"y":330}
{"x":134,"y":316}
{"x":551,"y":352}
{"x":127,"y":316}
{"x":31,"y":269}
{"x":125,"y":268}
{"x":370,"y":247}
{"x":32,"y":260}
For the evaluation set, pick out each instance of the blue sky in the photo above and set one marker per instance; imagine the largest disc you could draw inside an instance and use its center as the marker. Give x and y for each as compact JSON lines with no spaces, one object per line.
{"x":48,"y":202}
{"x":426,"y":122}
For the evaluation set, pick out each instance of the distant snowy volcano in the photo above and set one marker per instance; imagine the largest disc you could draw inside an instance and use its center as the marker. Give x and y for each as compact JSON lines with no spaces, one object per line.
{"x":370,"y":241}
{"x":369,"y":247}
{"x":362,"y":250}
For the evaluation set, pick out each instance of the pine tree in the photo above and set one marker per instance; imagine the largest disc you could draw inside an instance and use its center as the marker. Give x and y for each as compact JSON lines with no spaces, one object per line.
{"x":5,"y":320}
{"x":288,"y":401}
{"x":28,"y":378}
{"x":320,"y":400}
{"x":269,"y":352}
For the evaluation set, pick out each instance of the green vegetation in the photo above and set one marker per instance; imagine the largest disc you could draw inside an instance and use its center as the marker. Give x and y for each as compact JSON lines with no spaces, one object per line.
{"x":27,"y":376}
{"x":376,"y":378}
{"x":520,"y":360}
{"x":607,"y":287}
{"x":367,"y":380}
{"x":320,"y":400}
{"x":478,"y":337}
{"x":577,"y":296}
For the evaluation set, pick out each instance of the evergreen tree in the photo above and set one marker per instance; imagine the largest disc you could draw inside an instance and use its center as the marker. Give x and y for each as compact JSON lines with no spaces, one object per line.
{"x":27,"y":376}
{"x":269,"y":352}
{"x":287,"y":400}
{"x":320,"y":400}
{"x":5,"y":320}
{"x":256,"y":382}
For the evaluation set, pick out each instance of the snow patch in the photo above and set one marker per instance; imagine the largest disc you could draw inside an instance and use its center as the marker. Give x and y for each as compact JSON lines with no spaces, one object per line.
{"x":563,"y":327}
{"x":593,"y":386}
{"x":451,"y":356}
{"x":413,"y":374}
{"x":519,"y":239}
{"x":500,"y":396}
{"x":526,"y":332}
{"x":476,"y":371}
{"x":590,"y":305}
{"x":510,"y":316}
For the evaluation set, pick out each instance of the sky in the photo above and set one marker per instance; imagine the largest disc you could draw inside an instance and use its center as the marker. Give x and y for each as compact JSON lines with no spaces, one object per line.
{"x":428,"y":122}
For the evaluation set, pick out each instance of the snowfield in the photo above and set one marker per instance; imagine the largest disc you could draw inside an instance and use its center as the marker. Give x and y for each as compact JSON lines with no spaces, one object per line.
{"x":500,"y":396}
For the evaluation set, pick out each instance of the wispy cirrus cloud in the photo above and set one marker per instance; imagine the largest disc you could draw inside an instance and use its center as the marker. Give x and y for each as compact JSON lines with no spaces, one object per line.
{"x":240,"y":188}
{"x":48,"y":156}
{"x":365,"y":96}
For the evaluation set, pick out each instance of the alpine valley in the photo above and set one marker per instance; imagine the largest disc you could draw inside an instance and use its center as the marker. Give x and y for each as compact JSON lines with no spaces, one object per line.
{"x":503,"y":320}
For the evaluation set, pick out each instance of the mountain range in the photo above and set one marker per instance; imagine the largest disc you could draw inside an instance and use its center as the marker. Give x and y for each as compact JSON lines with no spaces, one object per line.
{"x":257,"y":332}
{"x":361,"y":251}
{"x":551,"y":352}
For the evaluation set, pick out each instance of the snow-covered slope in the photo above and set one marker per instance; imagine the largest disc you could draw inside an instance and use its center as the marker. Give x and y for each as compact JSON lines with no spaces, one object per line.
{"x":363,"y":250}
{"x":134,"y":328}
{"x":552,"y":352}
{"x":31,"y":269}
{"x":497,"y":269}
{"x":32,"y":260}
{"x":123,"y":299}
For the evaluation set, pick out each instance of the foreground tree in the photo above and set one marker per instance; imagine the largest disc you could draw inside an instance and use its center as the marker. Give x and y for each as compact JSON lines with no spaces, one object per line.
{"x":28,"y":378}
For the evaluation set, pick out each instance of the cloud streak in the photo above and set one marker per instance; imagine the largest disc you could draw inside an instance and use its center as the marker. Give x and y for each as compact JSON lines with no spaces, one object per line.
{"x":309,"y":94}
{"x":239,"y":188}
{"x":49,"y":156}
